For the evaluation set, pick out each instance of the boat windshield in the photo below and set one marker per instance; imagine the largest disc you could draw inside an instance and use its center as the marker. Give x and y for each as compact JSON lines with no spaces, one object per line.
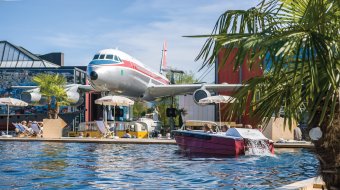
{"x":198,"y":125}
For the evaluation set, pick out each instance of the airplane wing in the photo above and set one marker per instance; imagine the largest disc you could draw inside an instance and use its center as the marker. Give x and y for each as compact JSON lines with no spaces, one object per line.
{"x":80,"y":87}
{"x":74,"y":87}
{"x":155,"y":91}
{"x":25,"y":87}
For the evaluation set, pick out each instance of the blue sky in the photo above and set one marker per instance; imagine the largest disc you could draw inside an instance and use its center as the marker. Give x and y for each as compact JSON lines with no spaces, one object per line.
{"x":80,"y":28}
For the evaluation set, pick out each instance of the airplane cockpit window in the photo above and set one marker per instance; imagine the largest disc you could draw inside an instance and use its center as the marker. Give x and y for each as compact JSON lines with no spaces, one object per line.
{"x":96,"y":56}
{"x":117,"y":59}
{"x":112,"y":57}
{"x":109,"y":56}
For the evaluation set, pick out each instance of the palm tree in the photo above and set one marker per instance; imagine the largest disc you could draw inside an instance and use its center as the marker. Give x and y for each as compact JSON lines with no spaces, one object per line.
{"x":296,"y":42}
{"x":139,"y":109}
{"x":163,"y":103}
{"x":52,"y":86}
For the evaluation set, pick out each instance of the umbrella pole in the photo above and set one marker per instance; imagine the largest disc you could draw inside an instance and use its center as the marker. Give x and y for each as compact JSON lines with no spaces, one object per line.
{"x":219,"y":112}
{"x":7,"y":117}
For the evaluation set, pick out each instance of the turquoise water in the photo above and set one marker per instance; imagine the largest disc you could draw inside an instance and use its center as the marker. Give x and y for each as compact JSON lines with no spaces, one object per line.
{"x":42,"y":165}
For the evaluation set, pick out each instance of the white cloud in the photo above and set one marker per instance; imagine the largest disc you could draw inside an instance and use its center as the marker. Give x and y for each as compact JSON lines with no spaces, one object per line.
{"x":166,"y":20}
{"x":67,"y":40}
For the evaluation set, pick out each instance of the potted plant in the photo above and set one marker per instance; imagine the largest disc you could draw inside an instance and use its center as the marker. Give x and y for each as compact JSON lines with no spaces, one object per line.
{"x":52,"y":86}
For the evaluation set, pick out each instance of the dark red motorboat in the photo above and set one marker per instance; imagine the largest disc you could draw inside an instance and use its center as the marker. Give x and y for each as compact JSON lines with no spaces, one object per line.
{"x":234,"y":142}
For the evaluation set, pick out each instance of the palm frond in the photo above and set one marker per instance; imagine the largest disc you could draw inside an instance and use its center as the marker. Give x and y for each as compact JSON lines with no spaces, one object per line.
{"x":296,"y":42}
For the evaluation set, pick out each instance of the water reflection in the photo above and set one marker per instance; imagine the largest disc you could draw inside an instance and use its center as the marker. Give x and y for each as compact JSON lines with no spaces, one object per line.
{"x":102,"y":166}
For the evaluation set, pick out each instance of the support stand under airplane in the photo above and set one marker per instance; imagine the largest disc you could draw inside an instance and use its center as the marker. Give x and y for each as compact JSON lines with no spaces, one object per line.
{"x":114,"y":71}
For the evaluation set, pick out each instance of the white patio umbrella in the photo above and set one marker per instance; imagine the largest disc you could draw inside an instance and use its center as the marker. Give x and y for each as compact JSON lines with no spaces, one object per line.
{"x":11,"y":102}
{"x":217,"y":100}
{"x":114,"y":101}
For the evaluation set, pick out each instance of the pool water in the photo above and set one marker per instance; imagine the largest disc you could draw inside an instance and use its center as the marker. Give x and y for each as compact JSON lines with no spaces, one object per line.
{"x":43,"y":165}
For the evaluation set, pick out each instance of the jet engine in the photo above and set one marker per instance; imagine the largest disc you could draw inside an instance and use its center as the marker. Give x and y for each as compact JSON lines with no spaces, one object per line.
{"x":37,"y":99}
{"x":33,"y":98}
{"x":200,"y":94}
{"x":74,"y":98}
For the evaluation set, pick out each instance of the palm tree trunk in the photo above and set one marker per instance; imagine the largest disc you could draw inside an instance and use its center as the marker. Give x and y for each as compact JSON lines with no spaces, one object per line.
{"x":49,"y":109}
{"x":328,"y":152}
{"x":56,"y":111}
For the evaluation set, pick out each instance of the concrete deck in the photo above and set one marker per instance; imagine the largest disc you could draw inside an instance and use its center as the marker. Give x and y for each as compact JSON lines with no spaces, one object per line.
{"x":131,"y":141}
{"x":93,"y":140}
{"x":294,"y":145}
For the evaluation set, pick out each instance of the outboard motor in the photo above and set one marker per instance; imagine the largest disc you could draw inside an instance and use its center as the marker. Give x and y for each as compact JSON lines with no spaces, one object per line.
{"x":255,"y":143}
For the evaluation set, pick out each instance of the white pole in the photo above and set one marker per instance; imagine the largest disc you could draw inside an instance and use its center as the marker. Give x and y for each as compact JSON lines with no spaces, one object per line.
{"x":7,"y":117}
{"x":103,"y":112}
{"x":114,"y":116}
{"x":219,"y":110}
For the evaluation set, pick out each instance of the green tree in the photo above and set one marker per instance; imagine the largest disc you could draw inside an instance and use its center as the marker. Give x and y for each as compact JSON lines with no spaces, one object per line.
{"x":185,"y":78}
{"x":297,"y":42}
{"x":139,"y":109}
{"x":52,"y":86}
{"x":163,"y":103}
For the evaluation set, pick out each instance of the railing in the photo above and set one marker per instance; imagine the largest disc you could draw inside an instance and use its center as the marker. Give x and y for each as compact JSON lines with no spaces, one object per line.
{"x":92,"y":125}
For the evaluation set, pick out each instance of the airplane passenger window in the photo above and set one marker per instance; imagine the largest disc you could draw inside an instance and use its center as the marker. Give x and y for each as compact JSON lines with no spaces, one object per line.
{"x":96,"y":56}
{"x":109,"y":56}
{"x":102,"y":56}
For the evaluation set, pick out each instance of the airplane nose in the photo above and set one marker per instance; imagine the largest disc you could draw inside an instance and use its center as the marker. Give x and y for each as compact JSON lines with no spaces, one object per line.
{"x":93,"y":75}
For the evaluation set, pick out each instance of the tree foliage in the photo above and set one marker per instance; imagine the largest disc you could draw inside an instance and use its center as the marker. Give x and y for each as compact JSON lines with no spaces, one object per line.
{"x":297,"y":44}
{"x":163,"y":103}
{"x":52,"y":86}
{"x":139,"y":109}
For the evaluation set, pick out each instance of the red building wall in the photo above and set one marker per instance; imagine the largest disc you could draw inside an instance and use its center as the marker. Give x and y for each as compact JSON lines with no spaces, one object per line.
{"x":227,"y":74}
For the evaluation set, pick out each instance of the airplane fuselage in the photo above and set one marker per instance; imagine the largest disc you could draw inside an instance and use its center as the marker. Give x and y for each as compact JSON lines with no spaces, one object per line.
{"x":115,"y":71}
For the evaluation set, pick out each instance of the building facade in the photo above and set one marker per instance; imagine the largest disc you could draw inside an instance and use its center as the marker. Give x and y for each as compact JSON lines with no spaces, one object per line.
{"x":18,"y":66}
{"x":225,"y":73}
{"x":194,"y":111}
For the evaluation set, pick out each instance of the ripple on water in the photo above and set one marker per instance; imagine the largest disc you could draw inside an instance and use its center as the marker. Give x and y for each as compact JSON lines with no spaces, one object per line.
{"x":42,"y":165}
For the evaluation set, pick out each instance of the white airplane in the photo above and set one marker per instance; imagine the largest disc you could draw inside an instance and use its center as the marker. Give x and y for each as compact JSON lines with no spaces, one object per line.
{"x":114,"y":71}
{"x":119,"y":73}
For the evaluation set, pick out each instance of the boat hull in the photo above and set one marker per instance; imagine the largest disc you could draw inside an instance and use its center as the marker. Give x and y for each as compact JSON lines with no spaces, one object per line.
{"x":203,"y":143}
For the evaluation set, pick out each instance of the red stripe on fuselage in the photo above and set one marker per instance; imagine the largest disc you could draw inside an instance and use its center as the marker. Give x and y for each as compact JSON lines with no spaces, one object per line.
{"x":134,"y":66}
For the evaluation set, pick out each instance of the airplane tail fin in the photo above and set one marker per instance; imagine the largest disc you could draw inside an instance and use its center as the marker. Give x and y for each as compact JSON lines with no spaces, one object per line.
{"x":163,"y":59}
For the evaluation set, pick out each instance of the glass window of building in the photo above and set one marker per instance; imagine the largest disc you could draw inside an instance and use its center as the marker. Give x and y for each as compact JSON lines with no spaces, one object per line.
{"x":30,"y":64}
{"x":78,"y":79}
{"x":1,"y":50}
{"x":40,"y":64}
{"x":15,"y":55}
{"x":5,"y":56}
{"x":21,"y":57}
{"x":10,"y":54}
